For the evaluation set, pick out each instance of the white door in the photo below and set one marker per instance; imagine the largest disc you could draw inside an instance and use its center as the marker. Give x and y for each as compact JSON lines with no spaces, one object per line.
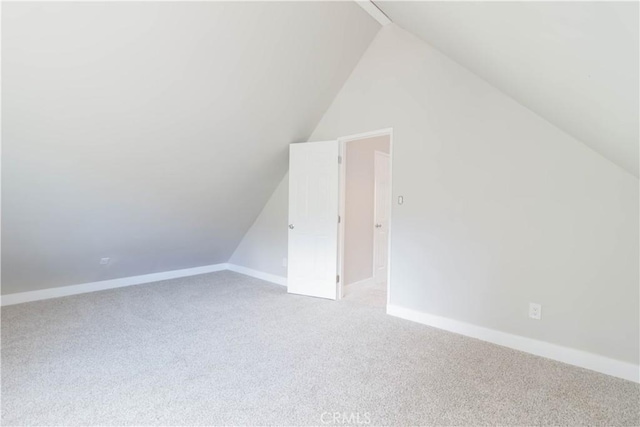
{"x":313,"y":219}
{"x":382,"y":200}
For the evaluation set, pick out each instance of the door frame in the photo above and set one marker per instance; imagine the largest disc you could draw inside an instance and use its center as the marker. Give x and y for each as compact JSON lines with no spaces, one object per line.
{"x":342,"y":147}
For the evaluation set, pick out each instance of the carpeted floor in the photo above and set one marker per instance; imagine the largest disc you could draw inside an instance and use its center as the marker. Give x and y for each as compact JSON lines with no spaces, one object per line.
{"x":367,"y":293}
{"x":226,"y":349}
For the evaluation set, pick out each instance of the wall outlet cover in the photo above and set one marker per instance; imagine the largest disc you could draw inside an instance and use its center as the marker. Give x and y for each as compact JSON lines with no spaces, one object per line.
{"x":535,"y":311}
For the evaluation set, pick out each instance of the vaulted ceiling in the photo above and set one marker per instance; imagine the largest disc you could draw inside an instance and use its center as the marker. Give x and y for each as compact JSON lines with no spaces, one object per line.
{"x":573,"y":63}
{"x":152,"y":133}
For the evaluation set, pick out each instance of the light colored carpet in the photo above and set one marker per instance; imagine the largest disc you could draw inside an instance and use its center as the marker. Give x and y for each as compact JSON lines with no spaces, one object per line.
{"x":226,"y":349}
{"x":367,"y":293}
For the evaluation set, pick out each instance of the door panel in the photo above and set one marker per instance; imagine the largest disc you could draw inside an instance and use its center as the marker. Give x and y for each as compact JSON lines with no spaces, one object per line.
{"x":313,"y":219}
{"x":381,"y":217}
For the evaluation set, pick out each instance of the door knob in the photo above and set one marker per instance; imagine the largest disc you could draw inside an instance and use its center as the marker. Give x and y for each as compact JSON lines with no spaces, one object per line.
{"x":291,"y":226}
{"x":378,"y":225}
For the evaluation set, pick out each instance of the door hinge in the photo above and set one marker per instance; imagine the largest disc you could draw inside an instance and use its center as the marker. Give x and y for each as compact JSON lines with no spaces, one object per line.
{"x":339,"y":219}
{"x":338,"y":278}
{"x":339,"y":160}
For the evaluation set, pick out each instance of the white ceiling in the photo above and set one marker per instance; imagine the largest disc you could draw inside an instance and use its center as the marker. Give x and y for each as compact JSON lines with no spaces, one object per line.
{"x":153,"y":133}
{"x":573,"y":63}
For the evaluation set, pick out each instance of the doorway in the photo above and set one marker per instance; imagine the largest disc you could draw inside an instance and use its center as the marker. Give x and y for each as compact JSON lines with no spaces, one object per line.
{"x":365,"y":207}
{"x":339,"y":236}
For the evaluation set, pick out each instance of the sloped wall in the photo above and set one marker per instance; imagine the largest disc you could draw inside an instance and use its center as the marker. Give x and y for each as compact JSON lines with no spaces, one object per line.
{"x":264,"y":247}
{"x":574,"y":63}
{"x":501,"y":208}
{"x":152,"y":133}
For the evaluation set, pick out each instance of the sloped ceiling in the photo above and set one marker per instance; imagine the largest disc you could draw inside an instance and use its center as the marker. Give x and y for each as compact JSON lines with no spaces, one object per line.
{"x":152,"y":133}
{"x":573,"y":63}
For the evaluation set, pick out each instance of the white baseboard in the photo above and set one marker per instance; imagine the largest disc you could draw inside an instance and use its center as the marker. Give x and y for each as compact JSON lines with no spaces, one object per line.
{"x":278,"y":280}
{"x":63,"y":291}
{"x":571,"y":356}
{"x":568,"y":355}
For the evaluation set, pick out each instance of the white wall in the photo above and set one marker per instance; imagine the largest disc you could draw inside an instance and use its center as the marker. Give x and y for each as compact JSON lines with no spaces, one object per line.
{"x":359,"y":206}
{"x":501,"y":207}
{"x":264,"y":246}
{"x":575,"y":63}
{"x":153,"y":133}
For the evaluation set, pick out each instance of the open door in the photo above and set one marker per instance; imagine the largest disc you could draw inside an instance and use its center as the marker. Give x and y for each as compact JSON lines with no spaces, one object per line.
{"x":313,"y":219}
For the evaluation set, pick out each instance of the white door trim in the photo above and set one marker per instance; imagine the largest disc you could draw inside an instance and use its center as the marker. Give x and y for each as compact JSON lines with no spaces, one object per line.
{"x":342,"y":141}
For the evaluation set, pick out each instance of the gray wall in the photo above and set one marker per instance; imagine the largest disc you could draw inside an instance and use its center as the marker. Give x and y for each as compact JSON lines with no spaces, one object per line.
{"x":264,"y":247}
{"x":575,"y":63}
{"x":153,"y":133}
{"x":501,"y":207}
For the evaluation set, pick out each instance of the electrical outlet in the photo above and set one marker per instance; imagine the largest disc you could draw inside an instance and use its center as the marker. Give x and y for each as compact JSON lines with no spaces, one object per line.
{"x":284,"y":262}
{"x":535,"y":311}
{"x":104,"y":261}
